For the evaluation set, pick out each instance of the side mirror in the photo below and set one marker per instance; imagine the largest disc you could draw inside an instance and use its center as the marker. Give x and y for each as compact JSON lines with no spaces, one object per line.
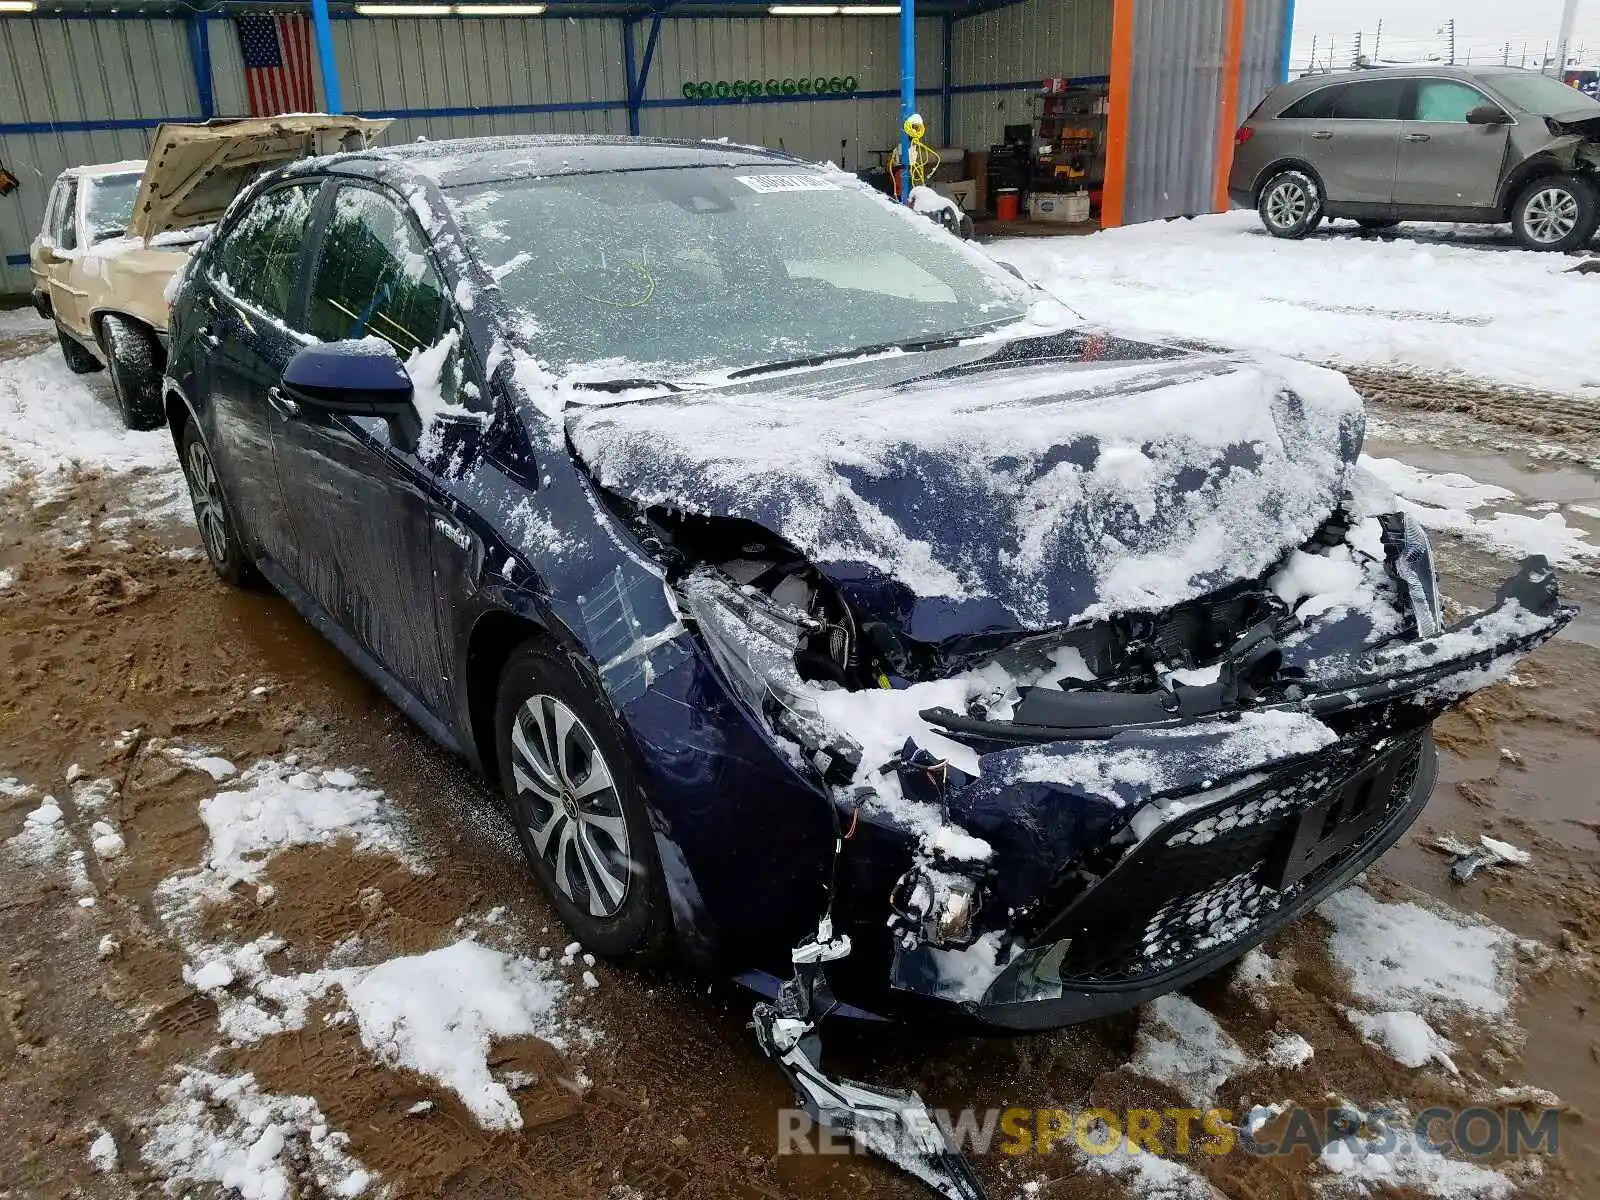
{"x":359,"y":378}
{"x":1488,"y":114}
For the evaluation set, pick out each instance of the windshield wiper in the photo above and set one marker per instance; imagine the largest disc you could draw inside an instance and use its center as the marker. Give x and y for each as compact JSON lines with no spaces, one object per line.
{"x":915,"y":346}
{"x":624,"y":385}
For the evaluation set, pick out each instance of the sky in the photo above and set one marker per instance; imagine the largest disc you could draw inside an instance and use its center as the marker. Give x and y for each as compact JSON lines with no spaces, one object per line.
{"x":1410,"y":28}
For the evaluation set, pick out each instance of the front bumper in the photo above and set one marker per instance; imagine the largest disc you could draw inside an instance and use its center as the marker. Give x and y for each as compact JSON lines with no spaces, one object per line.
{"x":1105,"y":910}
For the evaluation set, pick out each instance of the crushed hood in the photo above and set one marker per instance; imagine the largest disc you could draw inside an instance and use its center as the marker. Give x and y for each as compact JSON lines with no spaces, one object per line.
{"x":1017,"y":486}
{"x":195,"y":171}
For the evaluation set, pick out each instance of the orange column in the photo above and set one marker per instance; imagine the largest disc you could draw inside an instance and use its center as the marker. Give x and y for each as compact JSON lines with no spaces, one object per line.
{"x":1228,"y":118}
{"x":1111,"y":204}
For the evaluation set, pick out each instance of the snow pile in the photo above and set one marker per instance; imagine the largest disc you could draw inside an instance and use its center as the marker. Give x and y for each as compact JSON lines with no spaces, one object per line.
{"x":1145,"y":1175}
{"x":43,"y":837}
{"x":1405,"y":957}
{"x":1404,"y":1036}
{"x":438,"y":1013}
{"x":1418,"y":301}
{"x":252,"y":1001}
{"x":1182,"y":1045}
{"x":1288,"y":1050}
{"x":54,"y":419}
{"x":226,"y":1131}
{"x":275,"y":805}
{"x":103,"y":1152}
{"x":1393,"y":1159}
{"x":213,"y":765}
{"x":1448,"y":503}
{"x":1049,"y":494}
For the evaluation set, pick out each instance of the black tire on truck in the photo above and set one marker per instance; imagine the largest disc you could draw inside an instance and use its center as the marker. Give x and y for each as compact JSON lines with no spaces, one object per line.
{"x":79,"y":360}
{"x":134,"y":356}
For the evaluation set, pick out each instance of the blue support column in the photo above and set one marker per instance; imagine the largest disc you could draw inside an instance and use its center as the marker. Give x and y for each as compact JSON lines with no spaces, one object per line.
{"x":649,"y":57}
{"x":331,"y":95}
{"x":200,"y":61}
{"x":946,"y":118}
{"x":1288,"y":36}
{"x":908,"y":88}
{"x":629,"y":76}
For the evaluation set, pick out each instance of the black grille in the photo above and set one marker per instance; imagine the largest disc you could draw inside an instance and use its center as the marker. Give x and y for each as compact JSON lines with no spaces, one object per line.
{"x":1207,"y":878}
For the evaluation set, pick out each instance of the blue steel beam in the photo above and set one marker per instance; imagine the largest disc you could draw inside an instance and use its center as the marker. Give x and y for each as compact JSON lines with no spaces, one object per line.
{"x":946,"y":118}
{"x":332,"y":95}
{"x":908,"y":89}
{"x":200,"y":62}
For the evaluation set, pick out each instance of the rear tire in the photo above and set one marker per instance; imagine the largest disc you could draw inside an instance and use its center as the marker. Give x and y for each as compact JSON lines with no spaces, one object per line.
{"x":132,"y":352}
{"x":571,"y":782}
{"x":79,"y":360}
{"x":1290,"y":205}
{"x":1558,"y":212}
{"x":219,"y":532}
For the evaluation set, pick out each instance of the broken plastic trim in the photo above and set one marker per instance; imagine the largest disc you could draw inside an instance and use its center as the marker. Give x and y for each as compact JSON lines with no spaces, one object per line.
{"x":754,"y":641}
{"x":895,"y":1125}
{"x":1411,"y":559}
{"x":1369,"y":680}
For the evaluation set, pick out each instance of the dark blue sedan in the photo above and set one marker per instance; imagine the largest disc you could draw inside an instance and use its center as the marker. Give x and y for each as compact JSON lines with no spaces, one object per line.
{"x":831,"y":607}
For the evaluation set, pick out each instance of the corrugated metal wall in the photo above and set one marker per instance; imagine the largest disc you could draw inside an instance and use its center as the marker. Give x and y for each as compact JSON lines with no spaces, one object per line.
{"x":61,"y":72}
{"x":1173,"y":108}
{"x":787,"y":48}
{"x":423,"y":63}
{"x":1262,"y":68}
{"x":1027,"y":42}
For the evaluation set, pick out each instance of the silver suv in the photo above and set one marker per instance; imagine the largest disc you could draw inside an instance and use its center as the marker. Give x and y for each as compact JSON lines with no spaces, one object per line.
{"x":1399,"y":144}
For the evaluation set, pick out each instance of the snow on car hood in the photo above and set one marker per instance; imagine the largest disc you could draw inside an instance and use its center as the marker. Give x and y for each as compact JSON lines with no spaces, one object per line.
{"x":1011,"y":490}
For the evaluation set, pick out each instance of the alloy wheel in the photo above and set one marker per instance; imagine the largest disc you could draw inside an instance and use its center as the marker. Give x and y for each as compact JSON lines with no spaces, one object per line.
{"x":1551,"y":215}
{"x":1287,"y":204}
{"x":569,"y":798}
{"x":205,"y":492}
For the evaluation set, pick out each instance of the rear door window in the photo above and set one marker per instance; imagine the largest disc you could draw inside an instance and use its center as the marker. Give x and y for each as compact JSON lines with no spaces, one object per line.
{"x":1318,"y":106}
{"x":259,"y":258}
{"x":1371,"y":100}
{"x":1446,"y":100}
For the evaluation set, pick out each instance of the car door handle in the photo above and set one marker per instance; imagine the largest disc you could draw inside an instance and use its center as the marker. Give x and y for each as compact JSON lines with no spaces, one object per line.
{"x":281,"y":404}
{"x":1419,"y":137}
{"x":1322,"y":135}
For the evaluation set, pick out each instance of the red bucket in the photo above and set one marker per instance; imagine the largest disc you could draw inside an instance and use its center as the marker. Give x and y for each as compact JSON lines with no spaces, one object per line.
{"x":1007,"y":204}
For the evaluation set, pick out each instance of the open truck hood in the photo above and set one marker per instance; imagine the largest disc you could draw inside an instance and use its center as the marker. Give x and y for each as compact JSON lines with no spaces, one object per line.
{"x":1001,"y":486}
{"x":195,"y":171}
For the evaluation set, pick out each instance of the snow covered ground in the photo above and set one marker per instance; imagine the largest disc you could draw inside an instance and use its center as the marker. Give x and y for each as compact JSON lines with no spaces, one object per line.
{"x":1446,"y":301}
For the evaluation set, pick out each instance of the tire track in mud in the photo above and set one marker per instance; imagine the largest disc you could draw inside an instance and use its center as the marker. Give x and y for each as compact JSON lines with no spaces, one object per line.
{"x":1547,"y":414}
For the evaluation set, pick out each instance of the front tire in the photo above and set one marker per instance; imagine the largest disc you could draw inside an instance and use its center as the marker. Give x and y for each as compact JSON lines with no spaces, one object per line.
{"x":1290,"y":205}
{"x":219,"y":532}
{"x":132,"y":353}
{"x":1559,"y":212}
{"x":79,"y":360}
{"x":572,"y":786}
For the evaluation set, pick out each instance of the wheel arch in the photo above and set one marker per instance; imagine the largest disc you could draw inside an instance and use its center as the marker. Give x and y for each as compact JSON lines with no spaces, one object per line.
{"x":1540,"y":166}
{"x":97,"y":325}
{"x":179,"y":412}
{"x":494,"y":638}
{"x":1277,"y":167}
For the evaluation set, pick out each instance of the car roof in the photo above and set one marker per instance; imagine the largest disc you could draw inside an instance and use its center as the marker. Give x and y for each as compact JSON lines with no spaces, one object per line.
{"x":128,"y":166}
{"x":464,"y":162}
{"x":1309,"y":83}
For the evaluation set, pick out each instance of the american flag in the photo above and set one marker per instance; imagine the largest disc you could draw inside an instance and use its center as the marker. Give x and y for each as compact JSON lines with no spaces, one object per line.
{"x":276,"y":48}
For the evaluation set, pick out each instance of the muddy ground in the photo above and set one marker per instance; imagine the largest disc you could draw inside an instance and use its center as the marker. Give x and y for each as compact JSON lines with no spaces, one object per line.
{"x":117,"y":641}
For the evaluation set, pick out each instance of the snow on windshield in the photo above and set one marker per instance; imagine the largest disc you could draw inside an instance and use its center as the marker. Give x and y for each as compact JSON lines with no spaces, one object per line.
{"x":724,"y":267}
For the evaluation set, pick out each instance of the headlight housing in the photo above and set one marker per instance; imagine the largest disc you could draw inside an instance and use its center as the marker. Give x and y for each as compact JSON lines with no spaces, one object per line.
{"x":754,"y":641}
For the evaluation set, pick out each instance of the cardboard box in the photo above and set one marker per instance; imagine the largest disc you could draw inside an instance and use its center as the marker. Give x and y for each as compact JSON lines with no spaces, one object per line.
{"x":1069,"y":208}
{"x":963,"y":191}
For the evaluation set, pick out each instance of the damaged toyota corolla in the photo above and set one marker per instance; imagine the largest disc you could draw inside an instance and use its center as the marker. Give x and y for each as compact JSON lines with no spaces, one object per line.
{"x":833,"y":608}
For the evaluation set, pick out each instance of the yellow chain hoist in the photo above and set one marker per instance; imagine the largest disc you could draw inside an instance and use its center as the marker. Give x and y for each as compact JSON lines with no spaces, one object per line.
{"x":924,"y":159}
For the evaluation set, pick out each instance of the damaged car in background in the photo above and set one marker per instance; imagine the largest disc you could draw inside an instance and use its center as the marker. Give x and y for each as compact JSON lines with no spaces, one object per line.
{"x":832,"y":608}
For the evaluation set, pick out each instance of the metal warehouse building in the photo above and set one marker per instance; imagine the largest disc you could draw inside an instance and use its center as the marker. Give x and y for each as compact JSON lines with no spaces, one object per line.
{"x":87,"y":82}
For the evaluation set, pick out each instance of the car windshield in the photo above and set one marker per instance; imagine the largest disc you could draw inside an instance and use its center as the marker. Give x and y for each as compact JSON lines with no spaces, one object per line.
{"x":686,"y":269}
{"x":1542,"y":95}
{"x":109,"y":204}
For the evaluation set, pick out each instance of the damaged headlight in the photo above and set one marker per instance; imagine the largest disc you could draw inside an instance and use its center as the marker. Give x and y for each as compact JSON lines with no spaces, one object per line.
{"x":754,"y":640}
{"x":933,"y":906}
{"x":1411,"y":555}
